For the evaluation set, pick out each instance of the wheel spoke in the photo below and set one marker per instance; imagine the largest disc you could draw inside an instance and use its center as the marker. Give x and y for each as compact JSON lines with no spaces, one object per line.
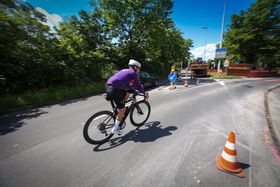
{"x":97,"y":128}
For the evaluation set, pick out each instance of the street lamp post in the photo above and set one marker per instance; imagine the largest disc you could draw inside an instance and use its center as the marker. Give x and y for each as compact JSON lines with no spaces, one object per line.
{"x":205,"y":27}
{"x":222,"y":34}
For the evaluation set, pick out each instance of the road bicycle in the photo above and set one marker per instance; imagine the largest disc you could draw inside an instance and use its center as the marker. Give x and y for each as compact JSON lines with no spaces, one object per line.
{"x":97,"y":129}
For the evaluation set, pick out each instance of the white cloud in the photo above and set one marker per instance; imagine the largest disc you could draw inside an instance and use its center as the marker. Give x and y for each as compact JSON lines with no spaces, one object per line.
{"x":52,"y":19}
{"x":209,"y":53}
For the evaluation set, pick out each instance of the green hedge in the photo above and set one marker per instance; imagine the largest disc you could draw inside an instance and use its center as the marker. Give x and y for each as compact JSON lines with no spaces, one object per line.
{"x":223,"y":76}
{"x":47,"y":96}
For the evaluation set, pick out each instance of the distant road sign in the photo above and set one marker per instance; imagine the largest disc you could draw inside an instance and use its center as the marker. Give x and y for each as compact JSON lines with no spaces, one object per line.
{"x":226,"y":63}
{"x":221,"y":53}
{"x":172,"y":77}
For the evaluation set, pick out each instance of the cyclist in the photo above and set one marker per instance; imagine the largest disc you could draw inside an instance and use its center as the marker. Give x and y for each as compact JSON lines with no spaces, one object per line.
{"x":117,"y":86}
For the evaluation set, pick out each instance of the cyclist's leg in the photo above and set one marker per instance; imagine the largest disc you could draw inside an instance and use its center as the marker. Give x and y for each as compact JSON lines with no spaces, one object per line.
{"x":126,"y":96}
{"x":119,"y":99}
{"x":120,"y":103}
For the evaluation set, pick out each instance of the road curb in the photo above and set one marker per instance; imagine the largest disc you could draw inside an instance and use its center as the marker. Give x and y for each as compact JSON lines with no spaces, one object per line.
{"x":274,"y":134}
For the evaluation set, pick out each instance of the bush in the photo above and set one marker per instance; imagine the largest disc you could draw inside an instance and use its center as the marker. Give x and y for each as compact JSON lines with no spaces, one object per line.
{"x":48,"y":95}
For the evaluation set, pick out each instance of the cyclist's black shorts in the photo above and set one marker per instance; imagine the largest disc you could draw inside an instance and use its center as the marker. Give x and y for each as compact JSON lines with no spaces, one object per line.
{"x":117,"y":95}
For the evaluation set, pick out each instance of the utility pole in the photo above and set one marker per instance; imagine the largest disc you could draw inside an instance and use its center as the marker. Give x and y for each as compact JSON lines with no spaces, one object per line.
{"x":205,"y":27}
{"x":222,"y":34}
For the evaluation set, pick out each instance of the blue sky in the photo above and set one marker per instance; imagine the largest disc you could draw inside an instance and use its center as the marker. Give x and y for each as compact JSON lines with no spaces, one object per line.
{"x":188,"y":15}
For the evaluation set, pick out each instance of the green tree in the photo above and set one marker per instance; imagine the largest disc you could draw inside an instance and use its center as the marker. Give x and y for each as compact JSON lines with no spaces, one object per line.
{"x":27,"y":48}
{"x":254,"y":35}
{"x":87,"y":47}
{"x":143,"y":31}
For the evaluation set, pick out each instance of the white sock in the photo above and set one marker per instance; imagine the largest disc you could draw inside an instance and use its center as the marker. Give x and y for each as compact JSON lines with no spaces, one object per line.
{"x":117,"y":122}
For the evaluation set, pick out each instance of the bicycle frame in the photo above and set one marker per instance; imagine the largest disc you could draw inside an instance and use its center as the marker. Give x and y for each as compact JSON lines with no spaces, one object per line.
{"x":101,"y":127}
{"x":128,"y":108}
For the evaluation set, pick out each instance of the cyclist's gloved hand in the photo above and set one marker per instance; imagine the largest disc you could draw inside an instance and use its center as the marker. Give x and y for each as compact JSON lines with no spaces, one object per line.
{"x":146,"y":95}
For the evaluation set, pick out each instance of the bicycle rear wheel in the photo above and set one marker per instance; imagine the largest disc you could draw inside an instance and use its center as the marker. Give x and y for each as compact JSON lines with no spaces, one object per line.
{"x":140,"y":113}
{"x":97,"y":129}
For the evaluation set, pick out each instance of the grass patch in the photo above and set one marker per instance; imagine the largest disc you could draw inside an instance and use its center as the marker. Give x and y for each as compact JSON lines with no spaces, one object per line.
{"x":48,"y":95}
{"x":222,"y":76}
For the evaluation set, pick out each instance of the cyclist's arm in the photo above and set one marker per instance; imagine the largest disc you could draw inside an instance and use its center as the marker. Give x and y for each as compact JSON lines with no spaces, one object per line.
{"x":138,"y":85}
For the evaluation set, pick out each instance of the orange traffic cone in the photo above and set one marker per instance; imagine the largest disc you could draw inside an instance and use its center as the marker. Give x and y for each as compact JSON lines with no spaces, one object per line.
{"x":227,"y":162}
{"x":197,"y":82}
{"x":186,"y":83}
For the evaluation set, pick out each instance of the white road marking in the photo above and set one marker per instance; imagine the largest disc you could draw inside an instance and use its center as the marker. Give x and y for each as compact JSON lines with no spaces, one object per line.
{"x":221,"y":83}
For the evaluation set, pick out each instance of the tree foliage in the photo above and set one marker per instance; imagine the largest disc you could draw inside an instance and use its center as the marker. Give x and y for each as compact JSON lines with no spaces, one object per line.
{"x":254,"y":35}
{"x":144,"y":31}
{"x":88,"y":47}
{"x":28,"y":48}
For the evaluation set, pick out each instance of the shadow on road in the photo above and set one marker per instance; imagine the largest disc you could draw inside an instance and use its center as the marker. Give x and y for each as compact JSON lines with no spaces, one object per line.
{"x":148,"y":132}
{"x":244,"y":166}
{"x":12,"y":122}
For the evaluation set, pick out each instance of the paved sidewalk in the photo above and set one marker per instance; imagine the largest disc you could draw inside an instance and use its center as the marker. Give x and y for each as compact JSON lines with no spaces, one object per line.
{"x":274,"y":108}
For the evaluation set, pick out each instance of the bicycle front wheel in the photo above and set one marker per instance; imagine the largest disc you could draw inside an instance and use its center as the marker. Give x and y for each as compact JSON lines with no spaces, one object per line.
{"x":140,"y":113}
{"x":97,"y":129}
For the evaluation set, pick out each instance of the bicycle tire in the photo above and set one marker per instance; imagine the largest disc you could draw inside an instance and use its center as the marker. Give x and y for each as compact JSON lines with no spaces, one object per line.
{"x":134,"y":109}
{"x":87,"y":131}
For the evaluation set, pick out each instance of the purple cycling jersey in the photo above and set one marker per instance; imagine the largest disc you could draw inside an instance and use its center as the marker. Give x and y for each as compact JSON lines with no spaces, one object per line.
{"x":121,"y":79}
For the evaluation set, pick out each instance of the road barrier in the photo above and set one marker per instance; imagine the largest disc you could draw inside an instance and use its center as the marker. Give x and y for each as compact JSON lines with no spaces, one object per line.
{"x":239,"y":69}
{"x":263,"y":73}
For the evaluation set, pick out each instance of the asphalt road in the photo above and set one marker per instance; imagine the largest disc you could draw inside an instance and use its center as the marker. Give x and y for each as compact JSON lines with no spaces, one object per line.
{"x":187,"y":129}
